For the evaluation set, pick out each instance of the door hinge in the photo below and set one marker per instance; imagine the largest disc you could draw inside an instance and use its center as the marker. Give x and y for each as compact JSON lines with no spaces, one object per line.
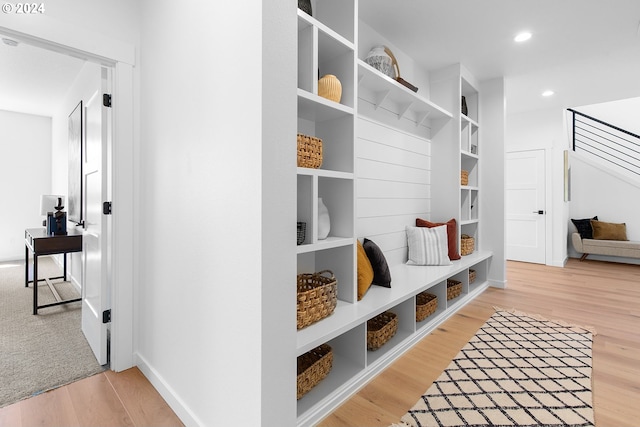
{"x":106,"y":316}
{"x":106,"y":208}
{"x":106,"y":99}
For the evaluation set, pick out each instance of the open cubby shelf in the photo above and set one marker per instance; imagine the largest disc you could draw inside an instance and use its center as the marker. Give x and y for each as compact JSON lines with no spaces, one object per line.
{"x":345,"y":329}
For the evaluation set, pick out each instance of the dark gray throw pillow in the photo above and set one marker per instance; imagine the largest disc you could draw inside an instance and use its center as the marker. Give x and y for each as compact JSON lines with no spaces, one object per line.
{"x":381,"y":273}
{"x":584,"y":227}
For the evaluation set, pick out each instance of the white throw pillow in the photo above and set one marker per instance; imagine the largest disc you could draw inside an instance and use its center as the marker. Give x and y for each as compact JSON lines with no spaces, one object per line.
{"x":428,"y":246}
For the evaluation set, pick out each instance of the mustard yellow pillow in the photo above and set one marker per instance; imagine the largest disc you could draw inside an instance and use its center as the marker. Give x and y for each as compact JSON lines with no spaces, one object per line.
{"x":608,"y":230}
{"x":365,"y":272}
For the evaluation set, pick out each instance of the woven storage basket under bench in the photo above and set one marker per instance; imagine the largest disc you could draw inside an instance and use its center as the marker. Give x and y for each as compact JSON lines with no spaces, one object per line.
{"x":454,"y":288}
{"x":313,"y":367}
{"x":381,"y":329}
{"x":426,"y":305}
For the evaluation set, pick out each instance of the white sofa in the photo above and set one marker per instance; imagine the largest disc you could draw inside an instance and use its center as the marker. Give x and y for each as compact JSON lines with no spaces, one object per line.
{"x":623,"y":248}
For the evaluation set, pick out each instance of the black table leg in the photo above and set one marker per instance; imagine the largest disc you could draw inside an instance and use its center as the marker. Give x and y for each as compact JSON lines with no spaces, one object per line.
{"x":35,"y":284}
{"x":26,"y":266}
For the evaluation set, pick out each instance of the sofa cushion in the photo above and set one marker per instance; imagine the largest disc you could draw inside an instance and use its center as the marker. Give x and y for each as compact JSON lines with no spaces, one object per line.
{"x":427,"y":246}
{"x":365,"y":271}
{"x":609,"y":230}
{"x":584,"y":227}
{"x":452,"y":234}
{"x":623,"y":248}
{"x":381,"y":274}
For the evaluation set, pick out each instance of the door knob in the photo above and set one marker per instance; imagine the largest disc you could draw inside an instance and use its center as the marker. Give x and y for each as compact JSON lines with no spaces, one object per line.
{"x":539,"y":212}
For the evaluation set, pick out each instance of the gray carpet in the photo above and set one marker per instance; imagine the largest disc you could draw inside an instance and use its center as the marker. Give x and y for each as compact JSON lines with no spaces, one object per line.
{"x":38,"y":353}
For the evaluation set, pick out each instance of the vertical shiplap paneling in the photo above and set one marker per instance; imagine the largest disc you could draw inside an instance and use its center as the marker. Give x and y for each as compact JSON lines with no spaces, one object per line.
{"x":393,"y":178}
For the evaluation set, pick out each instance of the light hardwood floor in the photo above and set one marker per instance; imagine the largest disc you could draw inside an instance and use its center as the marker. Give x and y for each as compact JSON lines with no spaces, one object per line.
{"x":108,"y":399}
{"x":599,"y":294}
{"x":603,"y":295}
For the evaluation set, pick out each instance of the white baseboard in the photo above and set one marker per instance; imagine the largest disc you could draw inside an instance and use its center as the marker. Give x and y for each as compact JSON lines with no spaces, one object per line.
{"x":168,"y":394}
{"x":501,"y":284}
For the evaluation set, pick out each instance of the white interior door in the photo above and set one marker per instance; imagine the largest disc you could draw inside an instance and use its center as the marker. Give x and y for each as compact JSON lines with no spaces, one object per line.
{"x":95,"y":287}
{"x":525,"y":202}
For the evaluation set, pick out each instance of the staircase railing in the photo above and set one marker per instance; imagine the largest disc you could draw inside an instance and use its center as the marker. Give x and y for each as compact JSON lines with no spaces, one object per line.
{"x":606,"y":141}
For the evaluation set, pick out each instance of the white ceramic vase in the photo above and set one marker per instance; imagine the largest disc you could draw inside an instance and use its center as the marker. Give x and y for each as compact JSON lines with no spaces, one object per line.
{"x":324,"y":222}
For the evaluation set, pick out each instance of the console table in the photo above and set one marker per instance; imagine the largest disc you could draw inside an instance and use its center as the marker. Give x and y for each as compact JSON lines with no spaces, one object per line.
{"x":39,"y":242}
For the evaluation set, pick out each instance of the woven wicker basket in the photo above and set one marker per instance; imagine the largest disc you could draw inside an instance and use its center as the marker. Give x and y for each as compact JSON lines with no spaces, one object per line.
{"x":426,"y":305}
{"x":313,"y":367}
{"x":464,"y":177}
{"x":317,"y":297}
{"x":381,"y":329}
{"x":472,"y":276}
{"x":454,"y":288}
{"x":467,"y":244}
{"x":309,"y":151}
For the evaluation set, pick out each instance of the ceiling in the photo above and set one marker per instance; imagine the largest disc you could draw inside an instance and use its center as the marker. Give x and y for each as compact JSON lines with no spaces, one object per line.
{"x":587,"y":51}
{"x":578,"y":49}
{"x":35,"y":80}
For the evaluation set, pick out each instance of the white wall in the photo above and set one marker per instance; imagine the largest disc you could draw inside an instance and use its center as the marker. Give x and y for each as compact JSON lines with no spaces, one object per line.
{"x":210,"y":320}
{"x":25,"y":173}
{"x":623,"y":113}
{"x":545,"y":129}
{"x":492,"y":176}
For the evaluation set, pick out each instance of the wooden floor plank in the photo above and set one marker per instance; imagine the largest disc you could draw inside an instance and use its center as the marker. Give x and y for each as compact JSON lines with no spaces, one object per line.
{"x":53,"y":408}
{"x":11,"y":416}
{"x":143,"y":402}
{"x":603,"y":295}
{"x":97,"y":404}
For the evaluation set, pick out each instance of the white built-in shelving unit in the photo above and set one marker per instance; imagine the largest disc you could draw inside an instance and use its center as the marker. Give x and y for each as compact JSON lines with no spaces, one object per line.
{"x":470,"y":159}
{"x":328,"y":44}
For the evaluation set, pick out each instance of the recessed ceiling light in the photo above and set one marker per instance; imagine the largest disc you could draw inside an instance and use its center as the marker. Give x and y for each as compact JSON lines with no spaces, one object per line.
{"x":523,"y":37}
{"x":548,"y":93}
{"x":9,"y":42}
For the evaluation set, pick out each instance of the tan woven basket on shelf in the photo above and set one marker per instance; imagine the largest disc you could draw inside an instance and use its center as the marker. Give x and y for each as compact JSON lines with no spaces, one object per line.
{"x":467,"y":244}
{"x":381,"y":329}
{"x":309,"y":151}
{"x":426,"y":305}
{"x":313,"y":367}
{"x":472,"y":276}
{"x":454,"y":288}
{"x":317,"y":296}
{"x":464,"y":177}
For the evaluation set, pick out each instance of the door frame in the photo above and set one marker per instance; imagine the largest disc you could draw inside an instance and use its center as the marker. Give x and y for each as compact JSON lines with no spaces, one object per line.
{"x":51,"y":34}
{"x":548,"y":188}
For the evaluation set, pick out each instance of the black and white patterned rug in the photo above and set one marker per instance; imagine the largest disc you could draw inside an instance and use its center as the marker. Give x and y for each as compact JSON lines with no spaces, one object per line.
{"x":518,"y":370}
